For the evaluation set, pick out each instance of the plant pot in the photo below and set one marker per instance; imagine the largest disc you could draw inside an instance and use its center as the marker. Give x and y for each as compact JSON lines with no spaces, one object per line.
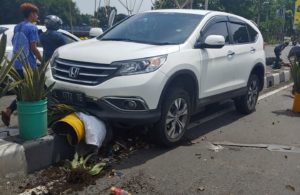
{"x":296,"y":106}
{"x":32,"y":118}
{"x":72,"y":127}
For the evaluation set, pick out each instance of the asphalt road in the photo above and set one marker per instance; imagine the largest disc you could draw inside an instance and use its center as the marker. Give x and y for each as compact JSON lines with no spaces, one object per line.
{"x":193,"y":168}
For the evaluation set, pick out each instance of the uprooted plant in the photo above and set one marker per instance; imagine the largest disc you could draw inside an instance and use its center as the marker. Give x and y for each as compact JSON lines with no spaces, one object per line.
{"x":80,"y":171}
{"x":57,"y":110}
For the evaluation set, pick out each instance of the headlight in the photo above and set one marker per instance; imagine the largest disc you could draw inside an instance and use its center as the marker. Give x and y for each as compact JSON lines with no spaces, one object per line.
{"x":52,"y":60}
{"x":140,"y":66}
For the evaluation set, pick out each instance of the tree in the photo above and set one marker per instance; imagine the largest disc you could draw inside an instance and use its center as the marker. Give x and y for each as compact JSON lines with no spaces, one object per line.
{"x":103,"y":15}
{"x":164,"y":4}
{"x":65,"y":9}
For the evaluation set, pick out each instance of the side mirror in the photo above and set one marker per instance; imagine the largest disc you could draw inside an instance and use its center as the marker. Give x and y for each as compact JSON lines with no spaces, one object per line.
{"x":95,"y":32}
{"x":212,"y":42}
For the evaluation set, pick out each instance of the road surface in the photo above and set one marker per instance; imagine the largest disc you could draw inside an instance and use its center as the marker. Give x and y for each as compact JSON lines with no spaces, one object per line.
{"x":193,"y":168}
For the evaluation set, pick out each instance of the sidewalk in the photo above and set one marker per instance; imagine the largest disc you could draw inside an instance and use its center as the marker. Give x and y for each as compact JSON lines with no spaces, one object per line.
{"x":18,"y":157}
{"x":269,"y":50}
{"x":275,"y":77}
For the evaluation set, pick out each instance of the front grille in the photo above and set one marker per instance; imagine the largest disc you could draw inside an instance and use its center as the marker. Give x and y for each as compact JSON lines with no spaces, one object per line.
{"x":82,"y":72}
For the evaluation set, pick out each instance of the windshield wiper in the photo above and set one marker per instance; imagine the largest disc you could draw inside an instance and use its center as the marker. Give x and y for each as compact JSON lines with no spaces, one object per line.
{"x":118,"y":39}
{"x":162,"y":43}
{"x":138,"y":41}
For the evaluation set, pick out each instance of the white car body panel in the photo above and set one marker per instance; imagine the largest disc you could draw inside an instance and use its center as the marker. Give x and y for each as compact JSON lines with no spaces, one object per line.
{"x":111,"y":51}
{"x":216,"y":73}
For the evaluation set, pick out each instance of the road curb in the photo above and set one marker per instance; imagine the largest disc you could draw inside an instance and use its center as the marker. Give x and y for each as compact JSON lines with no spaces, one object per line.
{"x":19,"y":157}
{"x":274,"y":79}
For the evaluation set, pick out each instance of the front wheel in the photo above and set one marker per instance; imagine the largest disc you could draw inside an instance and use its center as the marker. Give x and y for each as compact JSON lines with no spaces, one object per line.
{"x":175,"y":117}
{"x":246,"y":103}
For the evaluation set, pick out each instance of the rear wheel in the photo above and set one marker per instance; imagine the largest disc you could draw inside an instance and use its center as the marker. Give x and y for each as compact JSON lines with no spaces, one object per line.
{"x":175,"y":117}
{"x":246,"y":103}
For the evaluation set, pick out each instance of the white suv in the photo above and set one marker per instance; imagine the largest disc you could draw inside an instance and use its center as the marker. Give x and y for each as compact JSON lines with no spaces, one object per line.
{"x":160,"y":67}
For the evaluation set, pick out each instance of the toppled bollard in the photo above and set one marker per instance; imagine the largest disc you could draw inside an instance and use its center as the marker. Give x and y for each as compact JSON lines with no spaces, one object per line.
{"x":79,"y":126}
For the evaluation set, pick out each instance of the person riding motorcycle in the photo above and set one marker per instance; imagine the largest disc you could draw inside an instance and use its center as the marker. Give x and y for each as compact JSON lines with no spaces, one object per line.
{"x":51,"y":39}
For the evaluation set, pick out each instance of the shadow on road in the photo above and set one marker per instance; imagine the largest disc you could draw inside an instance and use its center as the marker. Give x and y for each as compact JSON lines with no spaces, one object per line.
{"x":145,"y":155}
{"x":286,"y":113}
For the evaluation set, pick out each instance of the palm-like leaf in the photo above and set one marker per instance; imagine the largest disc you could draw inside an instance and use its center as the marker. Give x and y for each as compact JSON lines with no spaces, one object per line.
{"x":32,"y":86}
{"x":80,"y":163}
{"x":5,"y":67}
{"x":295,"y":72}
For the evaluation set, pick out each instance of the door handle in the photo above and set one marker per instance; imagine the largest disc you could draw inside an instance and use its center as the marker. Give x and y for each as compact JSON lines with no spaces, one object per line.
{"x":230,"y":53}
{"x":252,"y":50}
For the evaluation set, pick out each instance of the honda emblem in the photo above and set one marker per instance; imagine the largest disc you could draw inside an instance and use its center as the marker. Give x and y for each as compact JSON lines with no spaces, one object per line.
{"x":74,"y":72}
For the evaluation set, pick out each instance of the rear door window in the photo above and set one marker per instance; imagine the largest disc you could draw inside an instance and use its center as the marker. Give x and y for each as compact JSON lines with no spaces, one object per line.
{"x":3,"y":29}
{"x":239,"y":33}
{"x":253,"y":34}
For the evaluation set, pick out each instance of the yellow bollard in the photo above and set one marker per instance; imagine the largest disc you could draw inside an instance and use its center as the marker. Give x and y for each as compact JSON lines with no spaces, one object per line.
{"x":296,"y":106}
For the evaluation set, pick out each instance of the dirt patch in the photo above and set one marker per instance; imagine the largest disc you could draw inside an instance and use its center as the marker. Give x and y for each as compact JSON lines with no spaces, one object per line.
{"x":139,"y":184}
{"x":56,"y":180}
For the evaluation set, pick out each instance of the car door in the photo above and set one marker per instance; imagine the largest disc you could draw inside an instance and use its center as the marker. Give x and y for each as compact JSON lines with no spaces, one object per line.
{"x":218,"y":72}
{"x":244,"y":48}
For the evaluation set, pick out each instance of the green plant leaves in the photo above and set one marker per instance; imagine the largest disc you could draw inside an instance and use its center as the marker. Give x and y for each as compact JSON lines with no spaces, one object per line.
{"x":80,"y":163}
{"x":32,"y":87}
{"x":96,"y":169}
{"x":295,"y":72}
{"x":5,"y":67}
{"x":3,"y":46}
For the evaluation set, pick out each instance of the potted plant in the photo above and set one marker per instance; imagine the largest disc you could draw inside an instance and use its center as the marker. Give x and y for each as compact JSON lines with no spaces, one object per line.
{"x":31,"y":100}
{"x":295,"y":72}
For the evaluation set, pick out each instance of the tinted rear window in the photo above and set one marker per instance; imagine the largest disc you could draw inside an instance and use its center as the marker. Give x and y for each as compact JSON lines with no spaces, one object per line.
{"x":252,"y":33}
{"x":2,"y":30}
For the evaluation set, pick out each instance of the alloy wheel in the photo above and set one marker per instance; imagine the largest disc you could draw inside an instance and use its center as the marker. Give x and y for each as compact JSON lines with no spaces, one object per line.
{"x":177,"y":118}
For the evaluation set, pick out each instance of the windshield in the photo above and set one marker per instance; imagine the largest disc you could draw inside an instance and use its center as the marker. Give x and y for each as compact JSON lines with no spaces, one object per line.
{"x":155,"y":28}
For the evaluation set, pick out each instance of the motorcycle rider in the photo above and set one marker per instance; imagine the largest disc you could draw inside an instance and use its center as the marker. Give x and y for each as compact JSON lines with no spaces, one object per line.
{"x":51,"y":39}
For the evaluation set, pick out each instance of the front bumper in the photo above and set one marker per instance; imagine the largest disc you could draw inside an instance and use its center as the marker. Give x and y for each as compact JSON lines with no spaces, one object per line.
{"x":147,"y":87}
{"x":109,"y":113}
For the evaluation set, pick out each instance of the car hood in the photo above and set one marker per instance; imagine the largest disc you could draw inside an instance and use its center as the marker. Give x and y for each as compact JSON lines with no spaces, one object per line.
{"x":106,"y":52}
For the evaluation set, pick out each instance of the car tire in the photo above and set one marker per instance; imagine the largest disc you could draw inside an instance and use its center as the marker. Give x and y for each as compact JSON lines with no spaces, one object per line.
{"x":246,"y":103}
{"x":175,"y":117}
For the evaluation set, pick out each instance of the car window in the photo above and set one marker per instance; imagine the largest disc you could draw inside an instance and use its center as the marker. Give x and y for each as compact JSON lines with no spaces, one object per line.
{"x":3,"y":29}
{"x":219,"y":28}
{"x":239,"y":33}
{"x":68,"y":38}
{"x":252,"y":33}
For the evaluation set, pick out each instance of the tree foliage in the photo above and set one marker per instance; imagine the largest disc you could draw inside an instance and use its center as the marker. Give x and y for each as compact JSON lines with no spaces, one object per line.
{"x":103,"y":14}
{"x":66,"y":9}
{"x":263,"y":12}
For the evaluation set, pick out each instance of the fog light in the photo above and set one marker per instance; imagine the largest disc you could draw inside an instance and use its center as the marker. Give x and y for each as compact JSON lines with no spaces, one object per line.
{"x":130,"y":104}
{"x":127,"y":103}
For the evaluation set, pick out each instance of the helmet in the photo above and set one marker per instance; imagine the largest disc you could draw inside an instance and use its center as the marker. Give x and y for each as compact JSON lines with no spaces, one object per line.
{"x":53,"y":22}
